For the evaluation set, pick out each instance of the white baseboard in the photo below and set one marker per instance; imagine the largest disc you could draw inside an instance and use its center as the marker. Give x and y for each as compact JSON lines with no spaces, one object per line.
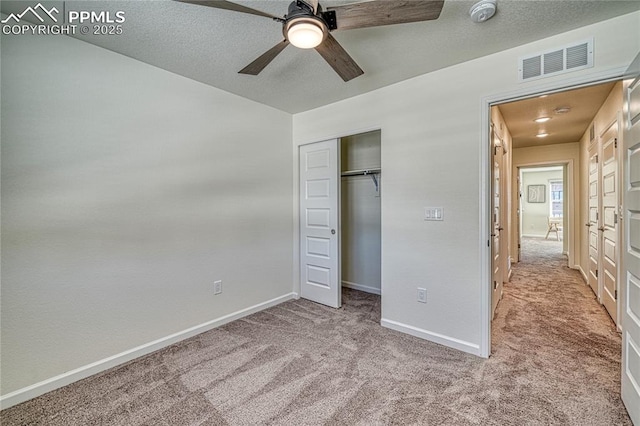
{"x":37,"y":389}
{"x":451,"y":342}
{"x":361,"y":287}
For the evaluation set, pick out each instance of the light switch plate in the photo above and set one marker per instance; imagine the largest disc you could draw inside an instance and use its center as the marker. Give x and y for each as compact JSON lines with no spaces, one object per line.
{"x":433,"y":213}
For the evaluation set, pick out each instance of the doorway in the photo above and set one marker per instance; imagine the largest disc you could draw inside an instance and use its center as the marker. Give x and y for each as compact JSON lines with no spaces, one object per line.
{"x":594,"y":249}
{"x":540,"y":149}
{"x":340,"y":217}
{"x":542,"y":209}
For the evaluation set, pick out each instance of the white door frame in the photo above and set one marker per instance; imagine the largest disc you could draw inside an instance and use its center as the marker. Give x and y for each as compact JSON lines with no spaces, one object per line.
{"x":535,"y":88}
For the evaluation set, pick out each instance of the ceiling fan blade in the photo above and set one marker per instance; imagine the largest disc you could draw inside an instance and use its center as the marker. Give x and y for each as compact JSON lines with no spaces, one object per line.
{"x":339,"y":59}
{"x":222,"y":4}
{"x":385,"y":12}
{"x":255,"y":67}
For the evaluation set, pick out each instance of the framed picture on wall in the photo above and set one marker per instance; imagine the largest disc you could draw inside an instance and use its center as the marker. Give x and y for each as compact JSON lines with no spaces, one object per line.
{"x":536,"y":193}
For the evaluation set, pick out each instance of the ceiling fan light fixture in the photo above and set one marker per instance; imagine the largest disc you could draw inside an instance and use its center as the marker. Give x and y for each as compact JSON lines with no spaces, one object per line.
{"x":542,"y":119}
{"x":542,"y":135}
{"x":305,"y":35}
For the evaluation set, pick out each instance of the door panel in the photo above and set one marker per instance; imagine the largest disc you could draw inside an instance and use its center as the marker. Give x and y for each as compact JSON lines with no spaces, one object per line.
{"x":630,"y":294}
{"x":319,"y":253}
{"x":594,"y":239}
{"x":496,"y":232}
{"x":609,"y":228}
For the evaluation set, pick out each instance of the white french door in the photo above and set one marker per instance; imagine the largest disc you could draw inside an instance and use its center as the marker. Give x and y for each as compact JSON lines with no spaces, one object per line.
{"x":319,"y":213}
{"x":630,"y":285}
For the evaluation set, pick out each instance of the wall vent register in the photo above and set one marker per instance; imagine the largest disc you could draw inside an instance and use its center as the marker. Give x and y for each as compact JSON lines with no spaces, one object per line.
{"x":562,"y":60}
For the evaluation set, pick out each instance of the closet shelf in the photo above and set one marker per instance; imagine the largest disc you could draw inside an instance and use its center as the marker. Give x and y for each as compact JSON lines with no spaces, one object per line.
{"x":361,"y":172}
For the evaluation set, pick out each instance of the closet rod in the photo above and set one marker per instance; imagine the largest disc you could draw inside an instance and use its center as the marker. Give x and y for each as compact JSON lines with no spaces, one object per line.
{"x":361,"y":172}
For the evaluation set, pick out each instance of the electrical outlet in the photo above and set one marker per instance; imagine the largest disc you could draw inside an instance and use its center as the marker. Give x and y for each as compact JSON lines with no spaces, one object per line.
{"x":217,"y":287}
{"x":422,"y":295}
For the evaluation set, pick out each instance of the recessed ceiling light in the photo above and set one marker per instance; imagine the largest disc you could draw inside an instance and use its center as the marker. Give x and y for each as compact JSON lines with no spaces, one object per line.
{"x":542,"y":135}
{"x":542,"y":119}
{"x":562,"y":110}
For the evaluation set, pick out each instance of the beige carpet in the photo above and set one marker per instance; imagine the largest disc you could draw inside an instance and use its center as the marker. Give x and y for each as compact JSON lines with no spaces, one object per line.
{"x":556,"y":360}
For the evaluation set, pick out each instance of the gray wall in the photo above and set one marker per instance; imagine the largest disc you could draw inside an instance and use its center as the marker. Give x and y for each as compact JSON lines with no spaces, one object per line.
{"x":126,"y":191}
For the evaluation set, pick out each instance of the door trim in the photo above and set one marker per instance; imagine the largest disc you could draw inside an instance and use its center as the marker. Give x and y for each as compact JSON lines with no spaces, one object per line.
{"x":584,"y":80}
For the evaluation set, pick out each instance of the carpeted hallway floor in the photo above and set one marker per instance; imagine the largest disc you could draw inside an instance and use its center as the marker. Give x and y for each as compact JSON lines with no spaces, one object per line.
{"x":555,"y":361}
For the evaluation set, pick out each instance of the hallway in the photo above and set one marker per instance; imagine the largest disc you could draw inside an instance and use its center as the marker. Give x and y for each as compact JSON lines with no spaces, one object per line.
{"x":559,"y":343}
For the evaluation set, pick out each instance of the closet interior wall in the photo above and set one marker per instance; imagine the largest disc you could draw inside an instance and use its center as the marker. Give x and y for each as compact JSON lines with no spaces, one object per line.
{"x":360,"y":212}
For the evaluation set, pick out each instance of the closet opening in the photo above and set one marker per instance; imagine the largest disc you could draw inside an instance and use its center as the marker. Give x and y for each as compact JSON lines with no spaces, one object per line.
{"x":360,"y":212}
{"x":340,"y":191}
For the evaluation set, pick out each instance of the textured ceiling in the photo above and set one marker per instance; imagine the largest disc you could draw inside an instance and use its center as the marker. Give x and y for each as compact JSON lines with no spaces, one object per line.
{"x":211,"y":45}
{"x":567,"y":127}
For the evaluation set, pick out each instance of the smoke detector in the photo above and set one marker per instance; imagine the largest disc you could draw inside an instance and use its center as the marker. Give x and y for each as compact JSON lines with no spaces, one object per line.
{"x":483,"y":10}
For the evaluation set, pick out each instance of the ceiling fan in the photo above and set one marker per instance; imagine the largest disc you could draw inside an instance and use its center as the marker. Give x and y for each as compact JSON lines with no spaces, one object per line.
{"x":307,"y":25}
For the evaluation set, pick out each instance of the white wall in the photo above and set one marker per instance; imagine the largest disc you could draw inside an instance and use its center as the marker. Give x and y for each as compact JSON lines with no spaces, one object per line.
{"x":431,"y":156}
{"x":126,"y":191}
{"x":360,"y":214}
{"x":535,"y":215}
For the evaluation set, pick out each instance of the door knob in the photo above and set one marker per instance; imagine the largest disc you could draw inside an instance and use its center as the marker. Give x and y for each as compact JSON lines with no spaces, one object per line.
{"x":588,"y":225}
{"x":601,"y":228}
{"x":501,"y":229}
{"x":333,"y":231}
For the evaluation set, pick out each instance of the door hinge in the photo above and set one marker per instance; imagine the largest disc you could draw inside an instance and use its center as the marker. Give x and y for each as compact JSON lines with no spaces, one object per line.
{"x":615,"y":294}
{"x":615,"y":143}
{"x":596,"y":158}
{"x":597,"y":214}
{"x":495,"y":285}
{"x":488,"y":243}
{"x":596,"y":273}
{"x":615,"y":218}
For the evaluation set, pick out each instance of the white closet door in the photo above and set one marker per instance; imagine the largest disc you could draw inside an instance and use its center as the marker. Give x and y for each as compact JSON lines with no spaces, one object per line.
{"x":594,"y":206}
{"x":630,"y":297}
{"x":319,"y":236}
{"x":609,"y":228}
{"x":497,"y":246}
